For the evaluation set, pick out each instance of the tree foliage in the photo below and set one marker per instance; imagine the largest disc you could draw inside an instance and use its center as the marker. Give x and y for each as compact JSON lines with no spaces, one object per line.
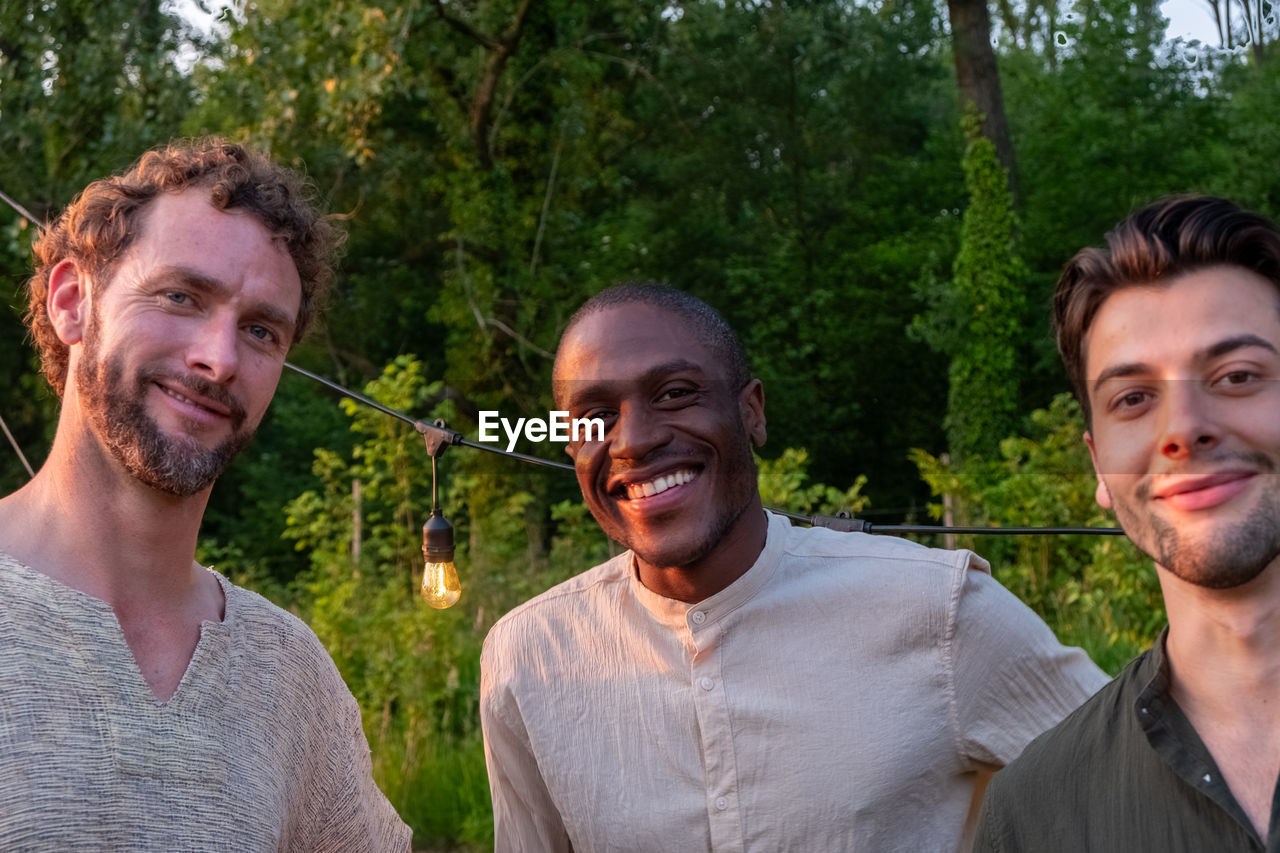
{"x":975,"y":319}
{"x":1098,"y":592}
{"x":800,"y":164}
{"x":84,"y":88}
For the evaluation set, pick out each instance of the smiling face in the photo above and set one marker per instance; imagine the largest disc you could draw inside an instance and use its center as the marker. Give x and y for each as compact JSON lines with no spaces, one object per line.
{"x":1184,"y":383}
{"x":674,"y":478}
{"x":183,"y":347}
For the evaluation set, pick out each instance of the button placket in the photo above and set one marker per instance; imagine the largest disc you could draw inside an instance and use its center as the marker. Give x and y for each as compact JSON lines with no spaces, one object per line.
{"x":711,"y":706}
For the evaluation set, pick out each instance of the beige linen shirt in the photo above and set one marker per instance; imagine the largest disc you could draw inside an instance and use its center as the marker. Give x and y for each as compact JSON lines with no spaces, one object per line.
{"x":846,"y":693}
{"x":260,"y":748}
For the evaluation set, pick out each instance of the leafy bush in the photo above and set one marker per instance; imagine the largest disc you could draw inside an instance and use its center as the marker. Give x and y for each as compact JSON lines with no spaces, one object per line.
{"x":1098,"y":592}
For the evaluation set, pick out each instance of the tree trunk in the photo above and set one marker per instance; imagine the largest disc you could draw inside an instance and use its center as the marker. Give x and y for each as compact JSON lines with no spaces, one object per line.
{"x":979,"y":78}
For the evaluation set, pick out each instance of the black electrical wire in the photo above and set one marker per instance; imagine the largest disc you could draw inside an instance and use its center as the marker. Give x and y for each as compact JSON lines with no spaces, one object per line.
{"x":849,"y":524}
{"x":839,"y":522}
{"x":421,"y":426}
{"x":13,"y":442}
{"x":439,"y":436}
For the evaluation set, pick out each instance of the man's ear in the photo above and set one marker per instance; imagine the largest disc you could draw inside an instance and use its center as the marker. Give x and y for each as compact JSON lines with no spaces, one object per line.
{"x":68,"y":301}
{"x":1102,"y":495}
{"x":751,"y":407}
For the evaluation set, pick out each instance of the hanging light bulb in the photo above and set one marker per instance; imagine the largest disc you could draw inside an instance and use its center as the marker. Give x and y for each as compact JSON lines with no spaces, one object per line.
{"x":440,"y":586}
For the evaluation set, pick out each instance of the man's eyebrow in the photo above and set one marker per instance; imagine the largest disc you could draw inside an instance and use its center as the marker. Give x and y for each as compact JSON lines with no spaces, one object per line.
{"x":196,"y":280}
{"x":586,"y":389}
{"x":1209,"y":353}
{"x":1232,"y":344}
{"x":1133,"y":368}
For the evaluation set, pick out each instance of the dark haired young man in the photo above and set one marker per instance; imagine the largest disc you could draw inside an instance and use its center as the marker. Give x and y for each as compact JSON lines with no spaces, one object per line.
{"x":731,"y":683}
{"x":149,"y":704}
{"x":1171,"y":337}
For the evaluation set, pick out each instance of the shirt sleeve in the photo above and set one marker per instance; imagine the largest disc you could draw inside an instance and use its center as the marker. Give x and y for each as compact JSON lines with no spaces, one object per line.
{"x":991,"y":837}
{"x":525,"y":819}
{"x":360,"y":817}
{"x":1010,"y":677}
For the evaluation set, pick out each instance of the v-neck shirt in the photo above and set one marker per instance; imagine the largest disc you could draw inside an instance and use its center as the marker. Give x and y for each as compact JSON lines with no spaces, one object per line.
{"x":260,"y":748}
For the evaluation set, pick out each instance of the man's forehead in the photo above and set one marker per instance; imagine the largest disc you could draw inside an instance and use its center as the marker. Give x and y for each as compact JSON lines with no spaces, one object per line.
{"x":633,"y":343}
{"x":620,"y":340}
{"x":1180,"y":321}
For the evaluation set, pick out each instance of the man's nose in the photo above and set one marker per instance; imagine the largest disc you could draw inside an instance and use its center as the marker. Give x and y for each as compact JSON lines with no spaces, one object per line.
{"x":1187,"y":425}
{"x":214,"y":349}
{"x":636,"y":431}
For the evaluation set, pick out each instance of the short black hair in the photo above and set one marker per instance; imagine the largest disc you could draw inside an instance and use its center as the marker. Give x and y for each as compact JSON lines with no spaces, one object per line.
{"x":706,"y":321}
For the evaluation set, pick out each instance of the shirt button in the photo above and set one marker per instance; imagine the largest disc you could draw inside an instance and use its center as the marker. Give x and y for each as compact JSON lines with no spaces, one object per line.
{"x":707,"y":684}
{"x":722,"y":803}
{"x":698,"y":617}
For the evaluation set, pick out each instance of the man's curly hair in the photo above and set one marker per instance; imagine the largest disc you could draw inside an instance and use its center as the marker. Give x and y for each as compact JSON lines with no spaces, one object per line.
{"x":103,"y":221}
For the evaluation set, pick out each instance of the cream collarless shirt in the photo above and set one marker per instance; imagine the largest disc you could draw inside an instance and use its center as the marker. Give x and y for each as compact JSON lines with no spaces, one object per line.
{"x":846,"y":693}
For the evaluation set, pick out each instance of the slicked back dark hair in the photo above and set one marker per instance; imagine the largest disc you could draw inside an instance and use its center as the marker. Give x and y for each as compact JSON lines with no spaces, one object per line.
{"x":706,"y":321}
{"x":1167,"y":239}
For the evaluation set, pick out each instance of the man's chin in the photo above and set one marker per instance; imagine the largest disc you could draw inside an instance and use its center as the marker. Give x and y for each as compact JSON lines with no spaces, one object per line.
{"x":669,"y":554}
{"x":1221,"y":559}
{"x":177,"y":466}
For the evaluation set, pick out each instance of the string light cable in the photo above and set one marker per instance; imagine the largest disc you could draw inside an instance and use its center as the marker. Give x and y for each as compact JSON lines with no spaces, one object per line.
{"x":439,"y":438}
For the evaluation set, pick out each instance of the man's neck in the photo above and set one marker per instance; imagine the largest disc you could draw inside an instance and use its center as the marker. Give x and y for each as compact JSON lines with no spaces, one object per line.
{"x":84,"y":521}
{"x":735,"y":553}
{"x":1224,"y":644}
{"x":1224,"y":661}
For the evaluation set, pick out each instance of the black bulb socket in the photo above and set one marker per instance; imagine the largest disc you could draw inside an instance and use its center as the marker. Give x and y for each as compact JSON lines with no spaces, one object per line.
{"x":437,"y":538}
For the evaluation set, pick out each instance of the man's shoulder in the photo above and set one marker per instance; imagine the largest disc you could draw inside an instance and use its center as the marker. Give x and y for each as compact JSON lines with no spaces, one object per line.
{"x":864,"y":564}
{"x":1071,"y":754}
{"x":265,"y":632}
{"x":578,"y":597}
{"x":821,"y":542}
{"x":261,"y":614}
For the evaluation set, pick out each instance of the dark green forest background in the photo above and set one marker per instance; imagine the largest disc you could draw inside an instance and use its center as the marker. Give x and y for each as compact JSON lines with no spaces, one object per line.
{"x":877,"y":211}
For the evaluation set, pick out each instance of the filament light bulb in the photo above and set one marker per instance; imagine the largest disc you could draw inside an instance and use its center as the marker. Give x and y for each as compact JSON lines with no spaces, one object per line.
{"x":440,"y":586}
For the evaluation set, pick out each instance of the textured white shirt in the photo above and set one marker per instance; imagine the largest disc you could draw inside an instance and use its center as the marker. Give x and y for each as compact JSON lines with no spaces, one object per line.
{"x":259,"y":749}
{"x":846,"y":693}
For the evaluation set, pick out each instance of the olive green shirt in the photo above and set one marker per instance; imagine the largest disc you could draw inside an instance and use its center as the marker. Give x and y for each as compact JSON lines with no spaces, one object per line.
{"x":1125,"y":772}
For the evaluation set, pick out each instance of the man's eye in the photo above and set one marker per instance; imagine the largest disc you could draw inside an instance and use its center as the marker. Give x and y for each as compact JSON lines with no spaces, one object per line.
{"x":1129,"y":401}
{"x":674,"y":394}
{"x":177,"y":297}
{"x":262,"y":333}
{"x":1235,"y":378}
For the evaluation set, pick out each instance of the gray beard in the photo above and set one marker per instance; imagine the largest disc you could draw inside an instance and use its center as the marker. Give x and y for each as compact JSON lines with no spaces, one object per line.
{"x":175,"y":465}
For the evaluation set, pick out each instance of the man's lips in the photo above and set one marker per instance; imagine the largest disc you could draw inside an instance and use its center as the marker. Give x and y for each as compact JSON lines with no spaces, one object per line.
{"x":1201,"y":492}
{"x":646,"y":485}
{"x":209,"y":403}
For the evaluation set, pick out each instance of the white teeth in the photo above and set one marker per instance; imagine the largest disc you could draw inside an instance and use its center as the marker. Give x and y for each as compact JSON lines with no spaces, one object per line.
{"x":658,"y":485}
{"x":175,"y":395}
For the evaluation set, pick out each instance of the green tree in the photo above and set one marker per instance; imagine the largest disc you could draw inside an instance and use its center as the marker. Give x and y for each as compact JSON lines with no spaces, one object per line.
{"x":978,"y":319}
{"x":85,"y":87}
